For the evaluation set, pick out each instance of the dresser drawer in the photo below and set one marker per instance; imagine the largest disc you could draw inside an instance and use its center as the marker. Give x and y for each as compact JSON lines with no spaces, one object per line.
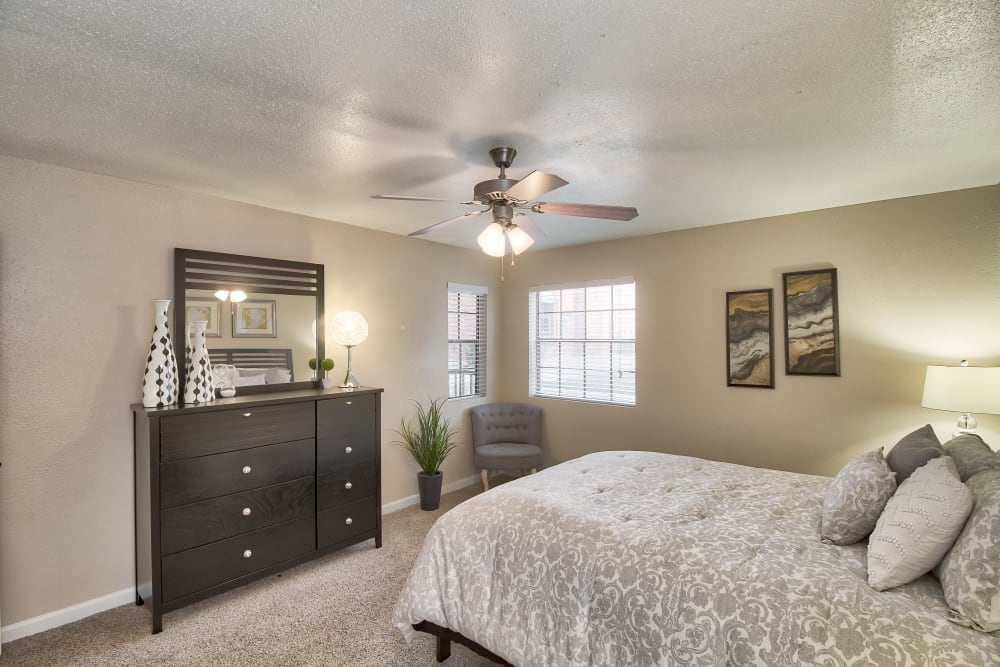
{"x":216,"y":563}
{"x":212,"y":432}
{"x":345,"y":521}
{"x":344,"y":486}
{"x":340,"y":416}
{"x":193,"y":480}
{"x":192,"y":525}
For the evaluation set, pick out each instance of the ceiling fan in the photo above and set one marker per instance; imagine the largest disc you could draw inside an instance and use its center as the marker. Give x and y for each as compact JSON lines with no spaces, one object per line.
{"x":506,"y":198}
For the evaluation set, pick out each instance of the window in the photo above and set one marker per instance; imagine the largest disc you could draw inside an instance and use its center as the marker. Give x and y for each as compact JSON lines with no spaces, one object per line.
{"x":582,"y":341}
{"x":466,"y":340}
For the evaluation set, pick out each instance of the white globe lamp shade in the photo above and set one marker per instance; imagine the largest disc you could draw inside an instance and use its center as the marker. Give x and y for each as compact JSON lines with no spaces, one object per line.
{"x":492,"y":240}
{"x":349,"y":328}
{"x":519,"y":240}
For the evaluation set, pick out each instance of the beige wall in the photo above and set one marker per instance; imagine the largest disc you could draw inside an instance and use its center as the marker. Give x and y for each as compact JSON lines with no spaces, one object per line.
{"x":919,"y":283}
{"x":82,"y":257}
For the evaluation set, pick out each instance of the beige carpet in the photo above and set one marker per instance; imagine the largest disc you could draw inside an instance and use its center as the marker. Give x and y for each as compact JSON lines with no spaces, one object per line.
{"x":333,"y":611}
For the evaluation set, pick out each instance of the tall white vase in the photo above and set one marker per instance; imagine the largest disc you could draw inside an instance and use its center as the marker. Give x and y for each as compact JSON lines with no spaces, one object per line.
{"x":160,"y":379}
{"x":199,"y":387}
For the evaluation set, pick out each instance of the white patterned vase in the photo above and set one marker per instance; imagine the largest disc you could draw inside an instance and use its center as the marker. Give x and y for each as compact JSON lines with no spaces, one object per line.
{"x":199,"y":387}
{"x":160,"y":380}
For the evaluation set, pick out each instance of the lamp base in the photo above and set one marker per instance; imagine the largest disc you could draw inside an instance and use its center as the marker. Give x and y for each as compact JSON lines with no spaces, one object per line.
{"x":350,"y":382}
{"x":967,"y":423}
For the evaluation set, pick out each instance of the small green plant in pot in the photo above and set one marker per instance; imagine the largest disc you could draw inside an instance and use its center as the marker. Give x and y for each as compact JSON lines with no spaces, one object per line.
{"x":327,"y":366}
{"x":429,"y":439}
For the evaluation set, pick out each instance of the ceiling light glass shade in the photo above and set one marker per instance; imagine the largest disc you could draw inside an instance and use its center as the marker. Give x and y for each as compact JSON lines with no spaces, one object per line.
{"x":964,"y":389}
{"x":349,"y":328}
{"x":222,"y":294}
{"x":492,"y":240}
{"x":519,"y":240}
{"x":237,"y":295}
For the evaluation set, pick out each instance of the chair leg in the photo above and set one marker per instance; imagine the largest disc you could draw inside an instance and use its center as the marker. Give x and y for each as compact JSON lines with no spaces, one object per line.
{"x":534,"y":470}
{"x":486,"y":479}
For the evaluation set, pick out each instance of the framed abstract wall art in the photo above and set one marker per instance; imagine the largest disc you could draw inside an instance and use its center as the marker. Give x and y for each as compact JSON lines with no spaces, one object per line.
{"x":812,"y":338}
{"x":750,"y":339}
{"x":254,"y":319}
{"x":205,"y":309}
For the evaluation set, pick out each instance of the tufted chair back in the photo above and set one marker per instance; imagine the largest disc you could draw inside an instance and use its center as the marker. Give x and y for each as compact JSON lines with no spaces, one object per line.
{"x":506,"y":423}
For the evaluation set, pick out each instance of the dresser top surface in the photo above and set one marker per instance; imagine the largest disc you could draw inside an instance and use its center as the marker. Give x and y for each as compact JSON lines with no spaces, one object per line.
{"x":292,"y":396}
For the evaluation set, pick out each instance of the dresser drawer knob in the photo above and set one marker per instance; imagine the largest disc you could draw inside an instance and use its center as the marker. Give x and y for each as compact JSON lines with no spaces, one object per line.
{"x":247,"y":470}
{"x":348,"y":402}
{"x":246,"y":511}
{"x":349,"y":521}
{"x":247,"y":553}
{"x":348,"y":450}
{"x":247,"y":414}
{"x":348,"y":486}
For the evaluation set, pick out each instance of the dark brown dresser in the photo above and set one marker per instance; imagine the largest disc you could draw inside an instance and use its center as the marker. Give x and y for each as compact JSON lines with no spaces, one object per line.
{"x":235,"y":490}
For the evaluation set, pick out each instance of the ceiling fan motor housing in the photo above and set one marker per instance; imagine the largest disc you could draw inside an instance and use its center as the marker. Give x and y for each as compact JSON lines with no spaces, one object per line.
{"x":493,"y":190}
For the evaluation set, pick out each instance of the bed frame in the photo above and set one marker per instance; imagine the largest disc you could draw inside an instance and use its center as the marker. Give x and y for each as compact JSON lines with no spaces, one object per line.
{"x":254,"y":358}
{"x":446,"y":636}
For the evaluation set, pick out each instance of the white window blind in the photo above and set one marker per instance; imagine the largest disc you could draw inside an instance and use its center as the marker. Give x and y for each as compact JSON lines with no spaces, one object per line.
{"x":582,"y":341}
{"x":466,"y":340}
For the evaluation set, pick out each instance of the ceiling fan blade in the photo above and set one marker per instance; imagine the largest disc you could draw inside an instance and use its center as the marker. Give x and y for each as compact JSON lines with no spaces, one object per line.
{"x":402,"y":198}
{"x":528,"y":225}
{"x":586,"y":210}
{"x":534,"y":185}
{"x":470,"y":214}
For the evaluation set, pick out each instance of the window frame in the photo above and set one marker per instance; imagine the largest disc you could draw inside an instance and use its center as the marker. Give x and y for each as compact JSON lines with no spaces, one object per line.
{"x":577,"y":390}
{"x":477,"y":375}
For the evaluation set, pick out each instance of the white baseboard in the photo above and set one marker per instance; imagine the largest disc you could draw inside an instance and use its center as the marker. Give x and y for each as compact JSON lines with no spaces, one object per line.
{"x":396,"y":505}
{"x":54,"y":619}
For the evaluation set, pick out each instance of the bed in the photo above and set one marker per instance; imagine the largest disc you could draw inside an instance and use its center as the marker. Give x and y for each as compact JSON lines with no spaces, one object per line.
{"x":642,"y":558}
{"x":242,"y":367}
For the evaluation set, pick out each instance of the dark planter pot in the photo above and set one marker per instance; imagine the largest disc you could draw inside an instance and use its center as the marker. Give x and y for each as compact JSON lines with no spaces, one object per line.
{"x":430,"y":490}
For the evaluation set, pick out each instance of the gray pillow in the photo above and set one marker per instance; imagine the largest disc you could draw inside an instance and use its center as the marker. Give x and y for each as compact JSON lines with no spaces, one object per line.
{"x":913,"y":451}
{"x":970,"y":572}
{"x":971,"y":455}
{"x":856,"y":498}
{"x":919,"y":525}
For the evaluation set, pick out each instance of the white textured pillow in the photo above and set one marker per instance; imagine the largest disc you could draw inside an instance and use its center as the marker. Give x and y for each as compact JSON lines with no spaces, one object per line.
{"x":970,"y":573}
{"x":855,"y":499}
{"x":919,"y":524}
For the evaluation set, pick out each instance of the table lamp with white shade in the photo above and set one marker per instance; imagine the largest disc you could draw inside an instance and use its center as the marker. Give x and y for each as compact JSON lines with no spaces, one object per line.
{"x":349,"y":329}
{"x":964,"y":389}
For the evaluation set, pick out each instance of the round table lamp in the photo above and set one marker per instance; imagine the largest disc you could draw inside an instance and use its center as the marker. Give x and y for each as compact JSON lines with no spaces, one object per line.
{"x":349,"y":329}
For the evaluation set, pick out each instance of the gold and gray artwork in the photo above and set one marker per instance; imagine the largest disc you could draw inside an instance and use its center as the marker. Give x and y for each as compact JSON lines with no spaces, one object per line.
{"x":750,"y":338}
{"x":810,"y":314}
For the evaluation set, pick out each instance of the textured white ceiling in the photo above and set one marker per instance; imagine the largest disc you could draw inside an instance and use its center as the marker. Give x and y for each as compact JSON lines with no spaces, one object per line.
{"x":696,"y":112}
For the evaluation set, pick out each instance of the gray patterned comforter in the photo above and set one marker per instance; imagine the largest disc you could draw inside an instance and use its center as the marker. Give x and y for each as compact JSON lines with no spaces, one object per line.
{"x":640,"y":558}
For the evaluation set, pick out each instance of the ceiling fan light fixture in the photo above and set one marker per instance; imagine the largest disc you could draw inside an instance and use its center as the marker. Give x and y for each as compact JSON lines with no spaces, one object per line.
{"x":492,"y":240}
{"x":519,"y":239}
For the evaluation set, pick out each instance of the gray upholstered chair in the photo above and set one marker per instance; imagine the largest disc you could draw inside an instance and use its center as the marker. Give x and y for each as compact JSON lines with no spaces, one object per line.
{"x":506,"y":436}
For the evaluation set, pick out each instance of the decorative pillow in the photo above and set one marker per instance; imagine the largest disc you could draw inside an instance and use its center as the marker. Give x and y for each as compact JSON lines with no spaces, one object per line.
{"x":856,"y":498}
{"x":251,"y":372}
{"x":277,"y":376}
{"x":913,"y":451}
{"x":971,"y":455}
{"x":970,"y":573}
{"x":919,"y":525}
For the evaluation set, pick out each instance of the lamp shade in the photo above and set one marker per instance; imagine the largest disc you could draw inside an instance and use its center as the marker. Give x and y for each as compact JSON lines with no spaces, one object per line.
{"x":519,"y":239}
{"x":962,"y":389}
{"x":349,"y":328}
{"x":492,"y":240}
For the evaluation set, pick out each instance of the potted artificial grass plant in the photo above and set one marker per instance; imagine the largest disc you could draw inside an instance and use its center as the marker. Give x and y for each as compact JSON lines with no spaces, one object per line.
{"x":429,"y":440}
